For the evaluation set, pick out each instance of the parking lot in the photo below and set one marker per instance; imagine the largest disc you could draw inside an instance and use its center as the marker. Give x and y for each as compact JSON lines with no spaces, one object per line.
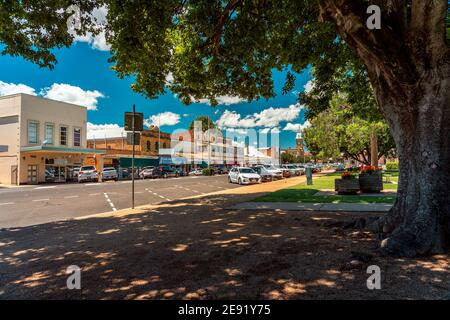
{"x":29,"y":205}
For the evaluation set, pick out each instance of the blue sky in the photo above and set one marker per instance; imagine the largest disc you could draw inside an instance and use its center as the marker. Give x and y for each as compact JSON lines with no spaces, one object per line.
{"x":90,"y":81}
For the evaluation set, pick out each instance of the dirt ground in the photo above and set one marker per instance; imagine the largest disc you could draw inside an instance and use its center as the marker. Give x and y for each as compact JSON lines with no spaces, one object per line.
{"x":197,"y":249}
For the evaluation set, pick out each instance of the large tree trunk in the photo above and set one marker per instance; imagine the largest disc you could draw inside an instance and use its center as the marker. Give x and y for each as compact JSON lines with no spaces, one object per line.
{"x":419,"y":222}
{"x":408,"y":63}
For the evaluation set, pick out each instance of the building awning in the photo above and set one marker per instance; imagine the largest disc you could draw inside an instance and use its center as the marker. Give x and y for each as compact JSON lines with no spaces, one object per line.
{"x":125,"y":162}
{"x":172,"y":161}
{"x":61,"y":150}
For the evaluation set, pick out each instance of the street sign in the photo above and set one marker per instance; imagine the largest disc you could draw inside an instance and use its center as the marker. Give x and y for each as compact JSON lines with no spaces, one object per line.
{"x":137,"y":138}
{"x":138,"y":121}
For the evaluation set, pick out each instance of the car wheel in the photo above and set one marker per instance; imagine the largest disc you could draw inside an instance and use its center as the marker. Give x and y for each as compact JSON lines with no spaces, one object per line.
{"x":239,"y":181}
{"x":229,"y":180}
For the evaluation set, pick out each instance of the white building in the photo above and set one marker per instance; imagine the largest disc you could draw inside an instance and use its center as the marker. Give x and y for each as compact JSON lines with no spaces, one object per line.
{"x":41,"y":140}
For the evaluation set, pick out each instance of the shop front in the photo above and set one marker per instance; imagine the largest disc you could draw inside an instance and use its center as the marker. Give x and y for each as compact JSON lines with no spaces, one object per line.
{"x":51,"y":164}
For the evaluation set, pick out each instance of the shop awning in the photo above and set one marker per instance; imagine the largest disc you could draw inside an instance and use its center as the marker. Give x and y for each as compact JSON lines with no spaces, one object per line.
{"x":139,"y":162}
{"x":61,"y":150}
{"x":172,"y":161}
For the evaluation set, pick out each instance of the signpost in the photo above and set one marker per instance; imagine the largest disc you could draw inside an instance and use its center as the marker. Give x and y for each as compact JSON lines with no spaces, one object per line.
{"x":133,"y":122}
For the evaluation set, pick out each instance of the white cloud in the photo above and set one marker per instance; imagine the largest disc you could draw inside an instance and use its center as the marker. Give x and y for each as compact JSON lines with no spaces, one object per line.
{"x":163,"y":119}
{"x":101,"y":131}
{"x":268,"y":118}
{"x":96,"y":41}
{"x":309,"y":86}
{"x":224,"y":100}
{"x":71,"y":94}
{"x":297,"y":127}
{"x":12,"y":88}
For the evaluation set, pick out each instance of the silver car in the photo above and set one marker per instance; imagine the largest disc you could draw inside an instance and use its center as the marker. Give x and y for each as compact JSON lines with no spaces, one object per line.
{"x":87,"y":173}
{"x":110,"y":174}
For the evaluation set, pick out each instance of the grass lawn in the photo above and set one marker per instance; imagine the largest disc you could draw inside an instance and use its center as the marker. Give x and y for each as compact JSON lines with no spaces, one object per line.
{"x":305,"y":193}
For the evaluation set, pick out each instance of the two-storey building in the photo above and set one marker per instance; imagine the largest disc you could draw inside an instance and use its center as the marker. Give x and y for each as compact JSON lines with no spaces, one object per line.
{"x":41,"y":140}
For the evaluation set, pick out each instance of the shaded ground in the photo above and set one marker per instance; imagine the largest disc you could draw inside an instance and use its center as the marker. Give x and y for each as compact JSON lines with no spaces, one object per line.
{"x":194,"y":249}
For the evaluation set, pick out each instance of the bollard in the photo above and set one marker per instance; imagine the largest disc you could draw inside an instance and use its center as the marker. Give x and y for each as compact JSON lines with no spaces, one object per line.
{"x":309,"y":180}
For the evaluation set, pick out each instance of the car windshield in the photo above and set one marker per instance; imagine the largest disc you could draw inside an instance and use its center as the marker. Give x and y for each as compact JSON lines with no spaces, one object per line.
{"x":109,"y":169}
{"x":87,"y":168}
{"x":246,"y":170}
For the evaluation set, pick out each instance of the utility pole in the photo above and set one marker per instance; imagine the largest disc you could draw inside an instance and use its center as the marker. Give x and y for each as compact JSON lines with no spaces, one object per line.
{"x":132,"y":157}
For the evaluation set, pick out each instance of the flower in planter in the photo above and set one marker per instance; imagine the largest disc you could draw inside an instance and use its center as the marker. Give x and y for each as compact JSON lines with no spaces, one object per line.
{"x":370,"y":169}
{"x":347,"y":175}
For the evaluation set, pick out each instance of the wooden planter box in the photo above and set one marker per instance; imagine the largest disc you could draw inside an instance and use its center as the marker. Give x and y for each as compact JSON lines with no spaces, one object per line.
{"x":371,"y":182}
{"x":346,"y":186}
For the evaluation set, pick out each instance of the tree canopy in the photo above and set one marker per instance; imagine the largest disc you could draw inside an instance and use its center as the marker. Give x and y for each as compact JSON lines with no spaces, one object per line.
{"x":339,"y":132}
{"x":206,"y":121}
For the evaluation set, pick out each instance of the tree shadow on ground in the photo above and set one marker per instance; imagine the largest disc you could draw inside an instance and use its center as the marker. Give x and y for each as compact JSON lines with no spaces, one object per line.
{"x":196,"y":249}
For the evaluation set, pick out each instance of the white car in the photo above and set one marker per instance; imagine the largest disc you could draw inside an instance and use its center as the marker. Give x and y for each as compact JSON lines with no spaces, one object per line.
{"x":277,"y":173}
{"x":110,"y":173}
{"x":196,"y":172}
{"x":87,"y":173}
{"x":243,"y":175}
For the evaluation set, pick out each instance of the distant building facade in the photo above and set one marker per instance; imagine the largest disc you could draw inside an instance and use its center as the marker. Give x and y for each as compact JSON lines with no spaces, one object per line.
{"x":118,"y":151}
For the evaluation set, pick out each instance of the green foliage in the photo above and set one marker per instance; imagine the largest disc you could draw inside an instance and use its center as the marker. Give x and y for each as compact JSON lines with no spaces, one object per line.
{"x":208,"y":172}
{"x":392,"y":166}
{"x":206,"y":121}
{"x":31,"y":28}
{"x":339,"y":131}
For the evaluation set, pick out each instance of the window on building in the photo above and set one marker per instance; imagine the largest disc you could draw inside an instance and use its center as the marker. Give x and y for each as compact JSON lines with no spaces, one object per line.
{"x":164,"y":145}
{"x":156,"y":146}
{"x":63,"y":136}
{"x":77,"y":137}
{"x":33,"y":132}
{"x":49,"y":133}
{"x":149,"y":146}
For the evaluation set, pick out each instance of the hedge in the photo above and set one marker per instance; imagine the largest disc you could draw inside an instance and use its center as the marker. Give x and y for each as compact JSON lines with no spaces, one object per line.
{"x":392,"y":166}
{"x":208,"y":172}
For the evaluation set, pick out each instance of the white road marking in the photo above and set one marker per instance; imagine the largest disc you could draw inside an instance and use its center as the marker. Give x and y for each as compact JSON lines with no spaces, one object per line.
{"x":6,"y":203}
{"x":37,"y":200}
{"x":158,"y":195}
{"x":110,"y":202}
{"x":71,"y":197}
{"x":92,"y":184}
{"x":126,"y":181}
{"x":48,"y":187}
{"x":95,"y":194}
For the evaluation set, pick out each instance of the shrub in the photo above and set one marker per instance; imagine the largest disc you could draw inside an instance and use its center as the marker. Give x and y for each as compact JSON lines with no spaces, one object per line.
{"x":208,"y":172}
{"x":392,"y":166}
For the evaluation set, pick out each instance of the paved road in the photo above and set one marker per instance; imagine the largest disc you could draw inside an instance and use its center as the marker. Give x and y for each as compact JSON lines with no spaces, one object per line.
{"x":31,"y":205}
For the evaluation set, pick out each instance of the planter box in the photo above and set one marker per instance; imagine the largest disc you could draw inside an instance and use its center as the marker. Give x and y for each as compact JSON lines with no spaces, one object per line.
{"x":346,"y":186}
{"x":371,"y":182}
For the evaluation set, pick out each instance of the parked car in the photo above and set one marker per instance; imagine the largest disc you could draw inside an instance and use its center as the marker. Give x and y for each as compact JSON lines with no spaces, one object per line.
{"x":221,"y":170}
{"x":167,"y":172}
{"x":276,"y":173}
{"x":196,"y":172}
{"x":49,"y":175}
{"x":264,"y":173}
{"x":243,"y":175}
{"x":87,"y":173}
{"x":286,"y":172}
{"x":74,"y":173}
{"x":110,"y":173}
{"x":180,"y":172}
{"x":147,"y":172}
{"x":292,"y":169}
